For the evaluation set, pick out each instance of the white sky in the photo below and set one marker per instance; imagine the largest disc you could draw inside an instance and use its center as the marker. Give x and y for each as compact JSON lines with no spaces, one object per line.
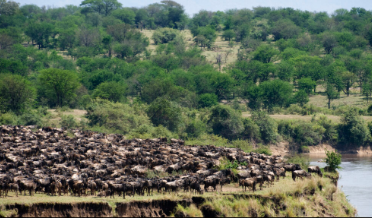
{"x":193,"y":6}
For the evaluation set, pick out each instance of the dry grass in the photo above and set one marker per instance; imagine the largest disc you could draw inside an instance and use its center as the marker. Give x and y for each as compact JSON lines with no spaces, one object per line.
{"x":220,"y":47}
{"x":354,"y":99}
{"x":76,"y":113}
{"x":307,"y":118}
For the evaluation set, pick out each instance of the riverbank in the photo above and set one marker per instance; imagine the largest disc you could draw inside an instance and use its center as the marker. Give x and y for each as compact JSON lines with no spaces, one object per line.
{"x":282,"y":148}
{"x":309,"y":197}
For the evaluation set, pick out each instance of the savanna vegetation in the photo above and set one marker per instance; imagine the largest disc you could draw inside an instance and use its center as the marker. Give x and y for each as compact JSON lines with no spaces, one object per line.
{"x":213,"y":78}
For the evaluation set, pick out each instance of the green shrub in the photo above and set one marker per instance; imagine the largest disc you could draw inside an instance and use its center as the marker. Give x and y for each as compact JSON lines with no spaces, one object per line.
{"x":226,"y":122}
{"x":8,"y":119}
{"x":308,"y":134}
{"x":166,"y":113}
{"x":207,"y":100}
{"x":353,"y":131}
{"x":251,"y":130}
{"x":330,"y":134}
{"x":333,"y":160}
{"x":164,"y":35}
{"x":115,"y":117}
{"x":263,"y":150}
{"x":195,"y":128}
{"x":304,"y":149}
{"x":268,"y":126}
{"x":68,"y":122}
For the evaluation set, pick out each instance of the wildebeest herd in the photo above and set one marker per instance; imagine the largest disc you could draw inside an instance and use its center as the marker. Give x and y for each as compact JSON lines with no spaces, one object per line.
{"x":51,"y":161}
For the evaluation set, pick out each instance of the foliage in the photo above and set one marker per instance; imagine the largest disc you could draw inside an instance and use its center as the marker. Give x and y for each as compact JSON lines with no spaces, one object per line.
{"x":166,"y":113}
{"x":301,"y":98}
{"x":112,"y":91}
{"x":268,"y":127}
{"x":68,"y":122}
{"x":58,"y":86}
{"x":116,"y":117}
{"x":16,"y":93}
{"x":208,"y":100}
{"x":225,"y":122}
{"x":353,"y":130}
{"x":333,"y":160}
{"x":263,"y":150}
{"x":164,"y":35}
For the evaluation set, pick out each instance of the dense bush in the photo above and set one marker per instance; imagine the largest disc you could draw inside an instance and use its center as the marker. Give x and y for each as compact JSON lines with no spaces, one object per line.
{"x":164,"y":35}
{"x":116,"y":117}
{"x":208,"y":100}
{"x":225,"y":122}
{"x":267,"y":126}
{"x":353,"y":131}
{"x":166,"y":113}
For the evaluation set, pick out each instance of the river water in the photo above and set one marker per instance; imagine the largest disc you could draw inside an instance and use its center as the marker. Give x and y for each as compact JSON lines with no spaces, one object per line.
{"x":355,"y":181}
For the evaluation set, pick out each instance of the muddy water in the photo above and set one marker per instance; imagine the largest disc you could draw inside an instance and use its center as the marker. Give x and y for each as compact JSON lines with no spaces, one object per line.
{"x":355,"y":181}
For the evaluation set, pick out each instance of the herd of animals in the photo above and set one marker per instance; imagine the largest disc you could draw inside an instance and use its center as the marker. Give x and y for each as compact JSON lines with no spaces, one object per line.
{"x":53,"y":161}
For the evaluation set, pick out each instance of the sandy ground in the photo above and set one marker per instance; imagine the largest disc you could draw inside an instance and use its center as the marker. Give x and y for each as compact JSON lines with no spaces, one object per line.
{"x":320,"y":150}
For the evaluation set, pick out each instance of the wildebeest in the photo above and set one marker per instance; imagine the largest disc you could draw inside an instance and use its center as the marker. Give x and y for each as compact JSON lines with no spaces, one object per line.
{"x":300,"y":174}
{"x":315,"y":169}
{"x":249,"y":182}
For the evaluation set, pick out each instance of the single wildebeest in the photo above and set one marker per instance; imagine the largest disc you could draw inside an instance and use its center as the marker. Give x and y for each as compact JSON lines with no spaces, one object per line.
{"x":315,"y":169}
{"x":300,"y":174}
{"x":249,"y":182}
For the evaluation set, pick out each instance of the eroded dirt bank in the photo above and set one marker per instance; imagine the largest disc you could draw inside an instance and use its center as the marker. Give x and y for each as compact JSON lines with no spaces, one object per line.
{"x":154,"y":208}
{"x":61,"y":210}
{"x":282,"y":148}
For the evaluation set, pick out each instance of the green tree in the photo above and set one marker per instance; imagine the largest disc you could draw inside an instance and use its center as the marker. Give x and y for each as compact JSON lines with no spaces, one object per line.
{"x":8,"y":7}
{"x":331,"y":93}
{"x":306,"y":84}
{"x":16,"y":93}
{"x":367,"y":89}
{"x":329,"y":42}
{"x":228,"y":35}
{"x":58,"y":86}
{"x":285,"y":29}
{"x":251,"y":130}
{"x":301,"y":97}
{"x":40,"y":33}
{"x":126,"y":15}
{"x":101,"y":6}
{"x":275,"y":93}
{"x":112,"y":91}
{"x":268,"y":126}
{"x":348,"y":80}
{"x":164,"y":35}
{"x":166,"y":113}
{"x":333,"y":160}
{"x":353,"y":131}
{"x":284,"y":71}
{"x":208,"y":100}
{"x":264,"y":53}
{"x":225,"y":122}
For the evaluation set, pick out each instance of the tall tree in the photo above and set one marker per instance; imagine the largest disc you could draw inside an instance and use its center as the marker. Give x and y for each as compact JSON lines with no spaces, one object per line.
{"x":57,"y":85}
{"x":15,"y":92}
{"x":104,"y":7}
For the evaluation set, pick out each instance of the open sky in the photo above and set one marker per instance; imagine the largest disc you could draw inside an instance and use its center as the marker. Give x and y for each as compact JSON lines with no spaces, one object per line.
{"x":194,"y":6}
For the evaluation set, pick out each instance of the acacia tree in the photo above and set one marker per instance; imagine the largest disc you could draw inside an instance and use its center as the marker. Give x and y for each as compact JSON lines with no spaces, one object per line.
{"x":58,"y":86}
{"x":331,"y":93}
{"x":101,"y":6}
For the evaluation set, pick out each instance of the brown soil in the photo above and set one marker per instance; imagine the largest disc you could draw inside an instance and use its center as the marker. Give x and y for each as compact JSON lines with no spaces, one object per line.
{"x":62,"y":210}
{"x":155,"y":208}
